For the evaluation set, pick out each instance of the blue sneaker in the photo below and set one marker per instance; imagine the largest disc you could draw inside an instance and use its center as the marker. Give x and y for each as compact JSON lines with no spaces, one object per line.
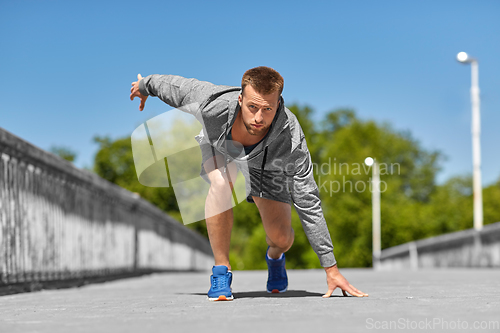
{"x":220,"y":289}
{"x":277,"y":281}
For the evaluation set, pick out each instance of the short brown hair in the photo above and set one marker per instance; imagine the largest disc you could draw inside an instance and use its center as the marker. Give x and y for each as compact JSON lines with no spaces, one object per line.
{"x":264,"y":80}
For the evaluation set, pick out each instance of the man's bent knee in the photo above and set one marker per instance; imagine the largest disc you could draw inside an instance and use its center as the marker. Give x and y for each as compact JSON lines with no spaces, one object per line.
{"x":220,"y":180}
{"x":219,"y":186}
{"x":283,"y":241}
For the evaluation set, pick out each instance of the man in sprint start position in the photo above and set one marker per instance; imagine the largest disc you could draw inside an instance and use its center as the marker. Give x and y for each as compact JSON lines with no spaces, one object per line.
{"x":251,"y":124}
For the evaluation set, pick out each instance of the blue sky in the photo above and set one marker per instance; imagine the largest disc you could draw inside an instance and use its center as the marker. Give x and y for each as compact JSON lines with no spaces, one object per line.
{"x":67,"y":65}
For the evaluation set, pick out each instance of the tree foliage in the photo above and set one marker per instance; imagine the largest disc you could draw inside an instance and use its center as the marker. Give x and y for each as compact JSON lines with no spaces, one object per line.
{"x":64,"y":152}
{"x":413,"y":206}
{"x":114,"y":162}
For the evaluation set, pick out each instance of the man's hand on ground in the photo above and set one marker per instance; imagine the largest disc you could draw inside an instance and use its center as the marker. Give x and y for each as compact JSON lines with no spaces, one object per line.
{"x":134,"y":92}
{"x":335,"y":280}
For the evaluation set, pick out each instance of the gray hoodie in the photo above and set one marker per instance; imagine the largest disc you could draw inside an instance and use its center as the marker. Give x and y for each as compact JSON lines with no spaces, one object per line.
{"x":284,"y":150}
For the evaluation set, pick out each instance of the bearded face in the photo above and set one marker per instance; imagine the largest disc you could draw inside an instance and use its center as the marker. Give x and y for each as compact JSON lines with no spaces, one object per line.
{"x":257,"y":110}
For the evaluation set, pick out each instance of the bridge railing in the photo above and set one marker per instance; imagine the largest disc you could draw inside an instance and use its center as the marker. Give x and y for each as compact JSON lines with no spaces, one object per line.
{"x":59,"y":222}
{"x":467,"y":248}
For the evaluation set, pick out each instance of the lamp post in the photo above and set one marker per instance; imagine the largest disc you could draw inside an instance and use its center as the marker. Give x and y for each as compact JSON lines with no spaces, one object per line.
{"x":464,"y":58}
{"x":376,"y":243}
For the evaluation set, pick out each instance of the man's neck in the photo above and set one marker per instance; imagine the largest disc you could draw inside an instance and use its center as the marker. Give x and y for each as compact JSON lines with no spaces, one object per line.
{"x":240,"y":134}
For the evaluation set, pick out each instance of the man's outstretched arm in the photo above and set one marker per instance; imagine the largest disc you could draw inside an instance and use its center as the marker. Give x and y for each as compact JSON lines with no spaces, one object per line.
{"x":308,"y":206}
{"x":177,"y":91}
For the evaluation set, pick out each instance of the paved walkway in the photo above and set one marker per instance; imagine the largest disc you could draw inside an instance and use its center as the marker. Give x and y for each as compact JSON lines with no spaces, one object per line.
{"x":176,"y":302}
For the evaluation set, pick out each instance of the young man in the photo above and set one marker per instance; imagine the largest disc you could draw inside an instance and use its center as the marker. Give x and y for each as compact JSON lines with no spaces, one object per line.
{"x":251,"y":124}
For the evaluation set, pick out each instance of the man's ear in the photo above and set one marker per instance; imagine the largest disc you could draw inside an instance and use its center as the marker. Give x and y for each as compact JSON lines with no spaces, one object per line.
{"x":240,"y":99}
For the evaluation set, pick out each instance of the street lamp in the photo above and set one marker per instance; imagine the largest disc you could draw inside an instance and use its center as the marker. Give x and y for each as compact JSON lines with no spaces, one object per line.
{"x":464,"y":58}
{"x":376,"y":243}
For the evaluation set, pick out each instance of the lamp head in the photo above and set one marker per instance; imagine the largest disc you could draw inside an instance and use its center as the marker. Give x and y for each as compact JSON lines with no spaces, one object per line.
{"x":369,"y":161}
{"x":464,"y":58}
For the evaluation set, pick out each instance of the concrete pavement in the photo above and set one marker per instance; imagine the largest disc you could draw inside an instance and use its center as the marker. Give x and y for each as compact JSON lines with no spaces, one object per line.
{"x":430,"y":300}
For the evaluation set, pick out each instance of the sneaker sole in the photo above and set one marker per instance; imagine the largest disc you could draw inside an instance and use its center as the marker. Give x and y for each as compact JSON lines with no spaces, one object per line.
{"x":221,"y":298}
{"x":276,"y":291}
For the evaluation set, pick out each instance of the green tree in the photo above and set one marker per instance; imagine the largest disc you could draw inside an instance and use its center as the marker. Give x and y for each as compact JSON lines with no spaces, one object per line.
{"x":407,"y":170}
{"x":64,"y":152}
{"x":338,"y":148}
{"x":114,"y":162}
{"x":413,"y":206}
{"x":491,"y":203}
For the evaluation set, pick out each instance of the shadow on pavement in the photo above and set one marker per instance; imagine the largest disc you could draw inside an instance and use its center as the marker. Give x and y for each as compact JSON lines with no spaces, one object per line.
{"x":287,"y":294}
